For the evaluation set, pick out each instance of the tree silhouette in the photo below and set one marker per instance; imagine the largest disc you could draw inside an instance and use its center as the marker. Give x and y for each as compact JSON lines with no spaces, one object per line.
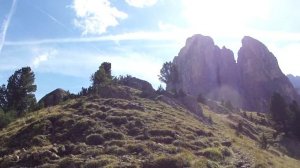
{"x":168,"y":73}
{"x":20,"y":91}
{"x":103,"y":75}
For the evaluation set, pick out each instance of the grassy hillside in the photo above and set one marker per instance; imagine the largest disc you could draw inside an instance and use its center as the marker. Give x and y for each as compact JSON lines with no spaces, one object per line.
{"x":138,"y":132}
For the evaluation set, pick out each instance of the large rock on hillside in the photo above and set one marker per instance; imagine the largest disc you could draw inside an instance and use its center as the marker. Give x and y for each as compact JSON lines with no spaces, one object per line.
{"x":53,"y":98}
{"x":136,"y":83}
{"x":204,"y":68}
{"x":261,"y":76}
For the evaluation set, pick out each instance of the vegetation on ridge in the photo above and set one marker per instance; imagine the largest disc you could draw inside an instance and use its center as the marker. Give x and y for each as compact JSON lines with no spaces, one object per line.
{"x":123,"y":122}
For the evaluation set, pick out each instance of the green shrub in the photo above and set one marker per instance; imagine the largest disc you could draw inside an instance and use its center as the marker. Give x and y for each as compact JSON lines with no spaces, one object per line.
{"x":40,"y":140}
{"x":69,"y":163}
{"x":165,"y":140}
{"x":100,"y":115}
{"x":117,"y":120}
{"x":261,"y":165}
{"x":134,"y":131}
{"x":115,"y":150}
{"x":115,"y":142}
{"x":162,"y":132}
{"x":93,"y":152}
{"x":113,"y":135}
{"x":94,"y":139}
{"x":163,"y":162}
{"x":202,"y":162}
{"x":6,"y":118}
{"x":136,"y":148}
{"x":214,"y":154}
{"x":226,"y":152}
{"x":95,"y":163}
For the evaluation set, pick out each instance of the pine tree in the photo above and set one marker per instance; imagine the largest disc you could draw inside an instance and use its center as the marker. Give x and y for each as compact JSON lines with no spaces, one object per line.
{"x":3,"y":98}
{"x":20,"y":91}
{"x":103,"y":75}
{"x":168,"y":73}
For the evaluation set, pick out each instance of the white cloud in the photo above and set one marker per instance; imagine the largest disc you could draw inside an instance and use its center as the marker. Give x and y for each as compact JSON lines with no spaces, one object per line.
{"x":39,"y":59}
{"x":6,"y":23}
{"x":96,"y":16}
{"x":42,"y":56}
{"x":141,"y":3}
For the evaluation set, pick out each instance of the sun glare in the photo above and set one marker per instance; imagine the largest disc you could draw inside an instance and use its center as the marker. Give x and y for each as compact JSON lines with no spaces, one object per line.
{"x":231,"y":17}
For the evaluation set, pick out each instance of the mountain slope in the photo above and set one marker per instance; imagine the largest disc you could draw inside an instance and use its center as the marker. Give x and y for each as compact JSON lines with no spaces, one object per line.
{"x":131,"y":131}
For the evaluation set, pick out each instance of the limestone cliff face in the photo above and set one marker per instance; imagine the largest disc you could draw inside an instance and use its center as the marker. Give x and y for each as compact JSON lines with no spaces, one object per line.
{"x":205,"y":69}
{"x":260,"y":76}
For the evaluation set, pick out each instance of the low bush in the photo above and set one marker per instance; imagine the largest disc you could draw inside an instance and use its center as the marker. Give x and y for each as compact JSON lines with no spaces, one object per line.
{"x":95,"y":163}
{"x":40,"y":140}
{"x":115,"y":142}
{"x":162,"y":132}
{"x":163,"y":162}
{"x":5,"y":118}
{"x":165,"y":140}
{"x":136,"y":148}
{"x":214,"y":154}
{"x":115,"y":150}
{"x":94,"y":139}
{"x":69,"y":163}
{"x":113,"y":135}
{"x":117,"y":120}
{"x":226,"y":152}
{"x":134,"y":131}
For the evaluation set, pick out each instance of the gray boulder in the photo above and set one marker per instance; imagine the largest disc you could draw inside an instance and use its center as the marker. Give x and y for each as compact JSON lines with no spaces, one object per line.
{"x":54,"y":98}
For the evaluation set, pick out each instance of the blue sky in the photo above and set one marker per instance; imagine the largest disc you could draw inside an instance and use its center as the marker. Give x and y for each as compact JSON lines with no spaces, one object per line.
{"x":64,"y":41}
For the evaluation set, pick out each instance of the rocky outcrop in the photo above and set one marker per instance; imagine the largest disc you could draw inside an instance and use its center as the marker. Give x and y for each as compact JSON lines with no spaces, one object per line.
{"x":204,"y":68}
{"x":136,"y":83}
{"x":261,"y":76}
{"x":53,"y":98}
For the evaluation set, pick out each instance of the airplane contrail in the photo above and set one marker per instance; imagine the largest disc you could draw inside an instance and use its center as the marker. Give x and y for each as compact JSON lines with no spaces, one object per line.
{"x":151,"y":36}
{"x":51,"y":17}
{"x":6,"y":23}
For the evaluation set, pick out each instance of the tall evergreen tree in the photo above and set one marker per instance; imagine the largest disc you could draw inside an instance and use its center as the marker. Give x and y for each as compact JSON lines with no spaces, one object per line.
{"x":3,"y":98}
{"x":20,"y":91}
{"x":168,"y":73}
{"x":103,"y":75}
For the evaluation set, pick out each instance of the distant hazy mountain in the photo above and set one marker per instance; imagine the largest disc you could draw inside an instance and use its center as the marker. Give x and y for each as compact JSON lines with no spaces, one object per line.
{"x":295,"y":81}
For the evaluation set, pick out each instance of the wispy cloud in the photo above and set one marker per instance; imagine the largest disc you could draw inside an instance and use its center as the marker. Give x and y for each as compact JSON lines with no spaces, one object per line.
{"x":151,"y":36}
{"x":95,"y":16}
{"x":42,"y":56}
{"x":175,"y":35}
{"x":6,"y":23}
{"x":141,"y":3}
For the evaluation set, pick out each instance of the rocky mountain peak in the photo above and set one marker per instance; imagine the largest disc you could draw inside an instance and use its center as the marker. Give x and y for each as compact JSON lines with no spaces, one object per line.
{"x":249,"y":83}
